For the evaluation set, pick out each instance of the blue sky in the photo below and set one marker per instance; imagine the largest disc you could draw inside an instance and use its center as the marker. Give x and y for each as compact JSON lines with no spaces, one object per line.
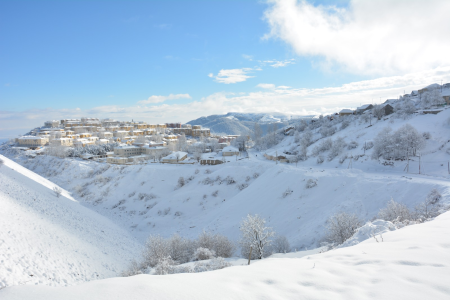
{"x":191,"y":58}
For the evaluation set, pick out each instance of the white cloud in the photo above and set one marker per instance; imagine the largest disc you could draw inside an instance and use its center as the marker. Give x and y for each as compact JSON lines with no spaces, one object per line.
{"x":368,"y":37}
{"x":232,"y":75}
{"x":279,"y":63}
{"x":158,"y":99}
{"x":280,"y":99}
{"x":211,"y":75}
{"x":247,"y":57}
{"x":270,"y":86}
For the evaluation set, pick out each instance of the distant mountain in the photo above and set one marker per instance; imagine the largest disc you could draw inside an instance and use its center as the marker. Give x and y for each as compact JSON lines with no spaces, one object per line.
{"x":243,"y":123}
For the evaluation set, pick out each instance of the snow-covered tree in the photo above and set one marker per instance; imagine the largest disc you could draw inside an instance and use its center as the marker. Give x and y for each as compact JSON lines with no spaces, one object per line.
{"x":255,"y":235}
{"x":341,"y":227}
{"x":280,"y":244}
{"x":395,"y":211}
{"x":378,"y":111}
{"x":430,"y":207}
{"x":203,"y":254}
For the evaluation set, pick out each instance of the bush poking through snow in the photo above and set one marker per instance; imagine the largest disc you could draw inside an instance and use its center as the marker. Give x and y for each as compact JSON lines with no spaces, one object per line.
{"x":256,"y":236}
{"x":57,"y":191}
{"x":395,"y":211}
{"x":320,"y":159}
{"x":430,"y":208}
{"x":133,"y":269}
{"x":287,"y":192}
{"x":230,"y":180}
{"x":181,"y":182}
{"x":218,"y":243}
{"x":426,"y":135}
{"x":214,"y":264}
{"x":311,"y":183}
{"x":341,"y":227}
{"x":280,"y":244}
{"x":352,"y":145}
{"x":203,"y":253}
{"x":1,"y":162}
{"x":242,"y":186}
{"x":255,"y":175}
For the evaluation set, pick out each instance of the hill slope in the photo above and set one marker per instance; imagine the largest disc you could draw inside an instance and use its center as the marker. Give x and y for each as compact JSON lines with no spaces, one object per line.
{"x":411,"y":263}
{"x":54,"y":241}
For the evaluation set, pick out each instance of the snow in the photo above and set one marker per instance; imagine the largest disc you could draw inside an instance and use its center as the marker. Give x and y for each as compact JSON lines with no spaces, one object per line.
{"x":411,"y":263}
{"x":127,"y":203}
{"x":230,"y":149}
{"x":54,"y":241}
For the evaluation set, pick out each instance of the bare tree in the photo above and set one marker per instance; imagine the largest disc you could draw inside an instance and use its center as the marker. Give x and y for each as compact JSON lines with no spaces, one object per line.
{"x":280,"y":244}
{"x":341,"y":227}
{"x":255,"y":235}
{"x":395,"y":211}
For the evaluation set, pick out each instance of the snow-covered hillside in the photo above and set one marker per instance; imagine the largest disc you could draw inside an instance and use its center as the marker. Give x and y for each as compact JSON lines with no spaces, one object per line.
{"x":242,"y":123}
{"x":52,"y":240}
{"x":410,"y":263}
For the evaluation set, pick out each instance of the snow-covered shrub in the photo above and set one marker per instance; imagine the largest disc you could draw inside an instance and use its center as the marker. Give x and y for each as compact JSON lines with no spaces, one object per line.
{"x":208,"y":171}
{"x":378,"y":111}
{"x":345,"y":123}
{"x":399,"y":144}
{"x":320,"y":159}
{"x":165,"y":266}
{"x":311,"y":183}
{"x":215,"y":193}
{"x":203,"y":253}
{"x":352,"y":145}
{"x":327,"y":130}
{"x":341,"y":227}
{"x":367,"y":145}
{"x":166,"y":211}
{"x":1,"y":162}
{"x":323,"y":146}
{"x":280,"y":244}
{"x":181,"y":182}
{"x":255,"y":175}
{"x":214,"y":264}
{"x":287,"y":192}
{"x":302,"y":154}
{"x":57,"y":191}
{"x":133,"y":269}
{"x":248,"y":178}
{"x":431,"y":207}
{"x":395,"y":211}
{"x":207,"y":181}
{"x":426,"y":135}
{"x":197,"y":171}
{"x":242,"y":186}
{"x":178,"y":214}
{"x":343,"y":158}
{"x":338,"y":145}
{"x":431,"y":97}
{"x":218,"y":243}
{"x":156,"y":250}
{"x":230,"y":180}
{"x":256,"y":236}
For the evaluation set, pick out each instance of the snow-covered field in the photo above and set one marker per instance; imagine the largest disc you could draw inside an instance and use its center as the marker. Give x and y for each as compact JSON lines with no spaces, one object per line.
{"x":411,"y":263}
{"x":54,"y":241}
{"x":106,"y":212}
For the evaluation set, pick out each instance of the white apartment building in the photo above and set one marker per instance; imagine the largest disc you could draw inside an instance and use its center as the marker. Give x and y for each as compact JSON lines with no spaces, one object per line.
{"x":66,"y":142}
{"x":32,"y":141}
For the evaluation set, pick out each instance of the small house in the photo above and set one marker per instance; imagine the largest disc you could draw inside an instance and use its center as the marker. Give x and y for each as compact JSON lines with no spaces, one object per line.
{"x":230,"y":151}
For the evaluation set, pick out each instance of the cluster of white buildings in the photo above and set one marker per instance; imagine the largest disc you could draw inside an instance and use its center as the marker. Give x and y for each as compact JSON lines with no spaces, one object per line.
{"x":138,"y":141}
{"x":92,"y":131}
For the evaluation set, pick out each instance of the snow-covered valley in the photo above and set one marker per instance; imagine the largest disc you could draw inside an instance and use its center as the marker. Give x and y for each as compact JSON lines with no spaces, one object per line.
{"x":106,"y":212}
